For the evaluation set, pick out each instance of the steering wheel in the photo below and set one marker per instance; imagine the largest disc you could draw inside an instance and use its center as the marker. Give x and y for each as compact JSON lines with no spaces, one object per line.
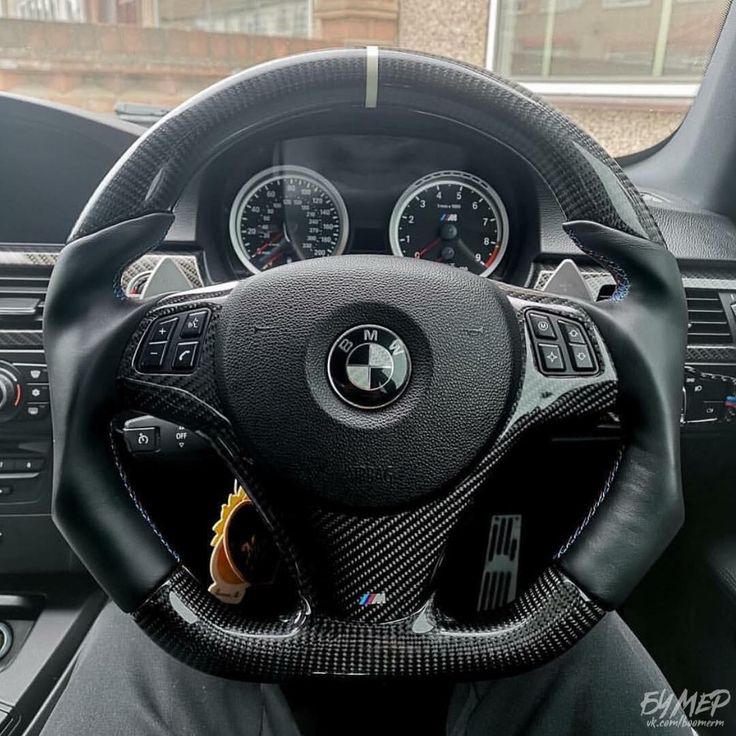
{"x":363,"y":469}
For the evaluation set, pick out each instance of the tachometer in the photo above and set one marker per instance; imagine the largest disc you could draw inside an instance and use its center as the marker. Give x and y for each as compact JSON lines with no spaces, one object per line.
{"x":452,"y":217}
{"x":284,"y":214}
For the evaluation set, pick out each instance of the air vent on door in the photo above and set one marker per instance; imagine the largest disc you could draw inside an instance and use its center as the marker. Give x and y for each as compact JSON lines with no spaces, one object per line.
{"x":22,"y":297}
{"x":707,"y":322}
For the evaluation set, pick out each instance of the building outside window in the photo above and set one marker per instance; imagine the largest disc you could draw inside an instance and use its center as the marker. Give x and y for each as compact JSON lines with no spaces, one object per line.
{"x":626,"y":70}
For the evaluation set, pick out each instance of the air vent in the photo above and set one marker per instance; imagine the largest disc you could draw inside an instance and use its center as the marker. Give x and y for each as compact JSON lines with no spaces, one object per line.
{"x":708,"y":323}
{"x":707,"y":320}
{"x":22,"y":298}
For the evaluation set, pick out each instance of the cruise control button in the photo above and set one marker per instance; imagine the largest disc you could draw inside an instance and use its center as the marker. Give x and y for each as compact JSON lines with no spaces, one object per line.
{"x":194,"y":323}
{"x":573,"y":333}
{"x":542,"y":326}
{"x":163,"y":328}
{"x":185,"y":355}
{"x":153,"y":355}
{"x":552,"y":359}
{"x":141,"y":439}
{"x":581,"y":358}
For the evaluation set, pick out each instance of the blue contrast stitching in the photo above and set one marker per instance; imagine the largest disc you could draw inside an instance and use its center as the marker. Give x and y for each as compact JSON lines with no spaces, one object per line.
{"x":591,"y":512}
{"x":134,"y":497}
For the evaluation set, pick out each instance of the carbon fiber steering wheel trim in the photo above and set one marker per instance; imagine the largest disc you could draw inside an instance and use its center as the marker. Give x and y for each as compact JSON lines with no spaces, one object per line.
{"x":92,"y":333}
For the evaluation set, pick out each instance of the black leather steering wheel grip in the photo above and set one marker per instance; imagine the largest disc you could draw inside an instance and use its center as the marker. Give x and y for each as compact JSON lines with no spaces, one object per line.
{"x":481,"y":379}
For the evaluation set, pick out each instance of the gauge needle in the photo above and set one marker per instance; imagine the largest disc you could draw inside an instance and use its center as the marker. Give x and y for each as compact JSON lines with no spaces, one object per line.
{"x":277,"y":253}
{"x":267,"y":244}
{"x":466,"y":248}
{"x":427,"y":248}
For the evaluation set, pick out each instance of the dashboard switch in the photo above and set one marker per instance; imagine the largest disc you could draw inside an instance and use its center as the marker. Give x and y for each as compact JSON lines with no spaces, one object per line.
{"x":713,"y":410}
{"x":37,"y":392}
{"x":27,"y":464}
{"x":33,"y":373}
{"x":36,"y":411}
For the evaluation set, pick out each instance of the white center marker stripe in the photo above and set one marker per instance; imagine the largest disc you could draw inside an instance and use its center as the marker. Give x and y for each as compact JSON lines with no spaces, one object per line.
{"x":371,"y":76}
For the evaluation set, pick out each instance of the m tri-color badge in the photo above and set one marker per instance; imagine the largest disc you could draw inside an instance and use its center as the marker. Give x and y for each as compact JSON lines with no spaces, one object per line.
{"x":372,"y":599}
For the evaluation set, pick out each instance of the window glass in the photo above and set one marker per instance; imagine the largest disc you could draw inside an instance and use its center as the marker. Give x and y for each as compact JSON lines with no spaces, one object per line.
{"x":626,"y":70}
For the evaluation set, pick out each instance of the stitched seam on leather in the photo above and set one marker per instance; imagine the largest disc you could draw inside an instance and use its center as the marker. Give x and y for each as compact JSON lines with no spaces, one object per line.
{"x":596,"y":504}
{"x":623,"y":284}
{"x":128,"y":487}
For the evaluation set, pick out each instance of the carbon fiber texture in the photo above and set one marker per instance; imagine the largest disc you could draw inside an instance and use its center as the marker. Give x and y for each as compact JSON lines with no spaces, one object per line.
{"x":20,"y":339}
{"x":48,"y":257}
{"x":337,"y":557}
{"x":399,"y":553}
{"x":587,"y":183}
{"x":199,"y":630}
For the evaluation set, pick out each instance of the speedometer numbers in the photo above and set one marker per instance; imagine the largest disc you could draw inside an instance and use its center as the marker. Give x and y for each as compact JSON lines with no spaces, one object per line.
{"x":284,"y":214}
{"x":451,"y":217}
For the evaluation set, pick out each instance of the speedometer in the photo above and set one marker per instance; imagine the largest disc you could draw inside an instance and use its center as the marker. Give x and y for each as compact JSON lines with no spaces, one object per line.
{"x":284,"y":214}
{"x":451,"y":217}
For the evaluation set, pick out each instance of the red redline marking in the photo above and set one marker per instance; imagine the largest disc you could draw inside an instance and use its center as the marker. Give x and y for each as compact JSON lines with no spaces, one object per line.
{"x":17,"y":394}
{"x":491,"y":258}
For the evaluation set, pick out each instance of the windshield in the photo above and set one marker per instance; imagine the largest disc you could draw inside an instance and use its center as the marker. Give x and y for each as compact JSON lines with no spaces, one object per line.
{"x":625,"y":70}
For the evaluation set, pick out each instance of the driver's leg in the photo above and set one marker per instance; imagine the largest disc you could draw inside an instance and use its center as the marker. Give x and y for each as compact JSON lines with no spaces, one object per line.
{"x":596,"y":688}
{"x":123,"y":684}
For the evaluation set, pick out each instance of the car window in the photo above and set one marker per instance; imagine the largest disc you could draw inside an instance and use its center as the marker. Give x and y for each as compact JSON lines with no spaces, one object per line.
{"x":625,"y":70}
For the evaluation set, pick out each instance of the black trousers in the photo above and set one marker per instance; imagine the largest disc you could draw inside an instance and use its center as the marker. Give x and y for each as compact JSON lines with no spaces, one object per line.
{"x":124,"y":685}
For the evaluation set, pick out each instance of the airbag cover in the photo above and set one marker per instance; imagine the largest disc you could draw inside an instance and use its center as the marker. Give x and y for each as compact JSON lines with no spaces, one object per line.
{"x":273,"y":342}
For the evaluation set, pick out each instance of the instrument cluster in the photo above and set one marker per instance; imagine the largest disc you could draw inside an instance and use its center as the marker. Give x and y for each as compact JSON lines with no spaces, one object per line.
{"x":286,"y":213}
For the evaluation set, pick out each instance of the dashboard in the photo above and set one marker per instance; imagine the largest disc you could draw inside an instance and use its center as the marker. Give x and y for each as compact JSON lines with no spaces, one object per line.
{"x":415,"y":189}
{"x":436,"y":195}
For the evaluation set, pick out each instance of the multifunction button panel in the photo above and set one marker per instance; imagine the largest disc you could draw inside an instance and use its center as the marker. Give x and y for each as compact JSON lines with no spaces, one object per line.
{"x":561,"y":345}
{"x":172,"y":344}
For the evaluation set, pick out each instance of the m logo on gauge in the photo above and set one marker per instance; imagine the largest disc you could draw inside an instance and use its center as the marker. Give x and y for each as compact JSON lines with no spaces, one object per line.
{"x":369,"y":366}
